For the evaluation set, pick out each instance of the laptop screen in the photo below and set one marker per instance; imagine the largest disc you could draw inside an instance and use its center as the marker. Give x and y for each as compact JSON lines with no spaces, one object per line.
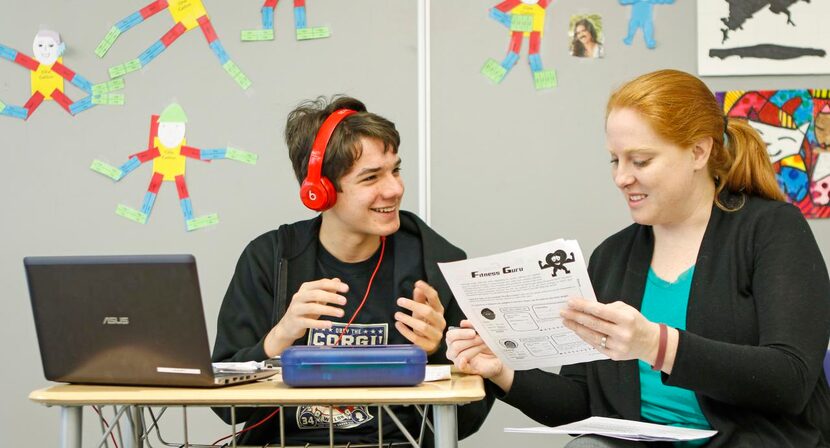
{"x":120,"y":319}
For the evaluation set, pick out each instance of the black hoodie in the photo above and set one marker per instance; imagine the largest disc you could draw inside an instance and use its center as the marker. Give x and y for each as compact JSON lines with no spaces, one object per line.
{"x":271,"y":269}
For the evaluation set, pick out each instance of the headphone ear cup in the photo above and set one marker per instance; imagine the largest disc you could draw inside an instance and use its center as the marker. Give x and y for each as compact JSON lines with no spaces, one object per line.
{"x":318,"y":196}
{"x":314,"y":195}
{"x":331,"y":192}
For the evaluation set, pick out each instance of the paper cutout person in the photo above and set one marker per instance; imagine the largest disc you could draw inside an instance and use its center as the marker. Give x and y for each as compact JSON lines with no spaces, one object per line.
{"x":47,"y":78}
{"x":642,"y":17}
{"x":168,"y":150}
{"x":301,"y":28}
{"x":187,"y":15}
{"x":524,"y":18}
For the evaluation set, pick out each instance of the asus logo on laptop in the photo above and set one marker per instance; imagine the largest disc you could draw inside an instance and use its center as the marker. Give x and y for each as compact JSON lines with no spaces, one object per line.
{"x":111,"y":320}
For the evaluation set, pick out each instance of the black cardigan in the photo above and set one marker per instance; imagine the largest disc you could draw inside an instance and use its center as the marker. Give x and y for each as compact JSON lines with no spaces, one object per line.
{"x":758,"y":325}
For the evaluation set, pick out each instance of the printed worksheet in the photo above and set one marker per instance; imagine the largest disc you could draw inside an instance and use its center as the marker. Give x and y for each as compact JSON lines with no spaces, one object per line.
{"x":513,"y":300}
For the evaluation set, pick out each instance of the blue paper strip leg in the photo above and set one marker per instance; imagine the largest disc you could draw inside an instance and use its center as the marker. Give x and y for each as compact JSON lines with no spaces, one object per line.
{"x":82,"y":83}
{"x":187,"y":209}
{"x":535,"y":62}
{"x":219,"y":51}
{"x":212,"y":154}
{"x":151,"y":53}
{"x":15,"y":111}
{"x":129,"y":21}
{"x":267,"y":18}
{"x":7,"y":53}
{"x":149,"y":200}
{"x":81,"y":105}
{"x":300,"y":18}
{"x":129,"y":165}
{"x":500,"y":16}
{"x":510,"y":60}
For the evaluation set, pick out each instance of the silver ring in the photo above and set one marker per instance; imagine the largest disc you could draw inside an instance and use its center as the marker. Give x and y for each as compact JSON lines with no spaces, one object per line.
{"x":602,"y":342}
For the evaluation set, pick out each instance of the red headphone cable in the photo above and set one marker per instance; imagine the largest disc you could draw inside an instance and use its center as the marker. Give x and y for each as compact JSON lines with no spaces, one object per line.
{"x":368,"y":288}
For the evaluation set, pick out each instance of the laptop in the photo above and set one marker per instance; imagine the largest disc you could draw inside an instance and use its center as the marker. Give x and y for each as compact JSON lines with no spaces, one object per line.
{"x":130,"y":320}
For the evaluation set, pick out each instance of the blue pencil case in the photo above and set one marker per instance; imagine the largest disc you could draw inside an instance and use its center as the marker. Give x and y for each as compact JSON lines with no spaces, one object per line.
{"x":337,"y":366}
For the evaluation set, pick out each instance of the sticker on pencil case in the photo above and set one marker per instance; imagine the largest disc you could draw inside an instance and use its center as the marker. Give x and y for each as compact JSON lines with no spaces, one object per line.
{"x":356,"y":334}
{"x":178,"y":370}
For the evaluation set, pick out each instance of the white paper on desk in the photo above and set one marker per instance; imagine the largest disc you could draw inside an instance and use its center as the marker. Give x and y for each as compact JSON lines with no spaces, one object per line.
{"x":513,"y":300}
{"x":437,"y":373}
{"x":622,"y":429}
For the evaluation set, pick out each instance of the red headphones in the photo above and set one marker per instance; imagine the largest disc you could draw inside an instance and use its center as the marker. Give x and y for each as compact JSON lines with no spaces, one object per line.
{"x":317,"y":192}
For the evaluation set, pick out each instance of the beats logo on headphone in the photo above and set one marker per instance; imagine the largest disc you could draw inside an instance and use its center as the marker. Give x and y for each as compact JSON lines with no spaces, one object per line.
{"x":317,"y":192}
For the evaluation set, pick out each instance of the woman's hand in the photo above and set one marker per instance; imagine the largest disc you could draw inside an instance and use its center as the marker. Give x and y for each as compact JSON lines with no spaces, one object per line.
{"x":616,"y":329}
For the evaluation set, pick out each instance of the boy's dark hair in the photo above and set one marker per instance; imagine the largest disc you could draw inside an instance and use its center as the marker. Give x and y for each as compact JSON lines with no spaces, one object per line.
{"x":344,"y":148}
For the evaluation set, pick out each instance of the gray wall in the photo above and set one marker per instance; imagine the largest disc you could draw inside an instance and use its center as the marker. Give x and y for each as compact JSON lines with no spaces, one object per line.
{"x":510,"y":166}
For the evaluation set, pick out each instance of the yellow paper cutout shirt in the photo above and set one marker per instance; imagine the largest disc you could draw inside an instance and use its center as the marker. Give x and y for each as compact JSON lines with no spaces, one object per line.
{"x":45,"y":81}
{"x":186,"y":12}
{"x":538,"y":14}
{"x":170,"y":163}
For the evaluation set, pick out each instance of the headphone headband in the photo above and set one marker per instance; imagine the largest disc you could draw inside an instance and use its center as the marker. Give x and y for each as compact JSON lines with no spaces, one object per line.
{"x":317,"y":192}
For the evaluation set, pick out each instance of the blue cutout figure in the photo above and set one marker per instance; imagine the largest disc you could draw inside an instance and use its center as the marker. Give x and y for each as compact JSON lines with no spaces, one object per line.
{"x":642,"y":16}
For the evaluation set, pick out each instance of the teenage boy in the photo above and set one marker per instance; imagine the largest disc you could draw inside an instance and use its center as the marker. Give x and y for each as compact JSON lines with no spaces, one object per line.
{"x":361,"y":260}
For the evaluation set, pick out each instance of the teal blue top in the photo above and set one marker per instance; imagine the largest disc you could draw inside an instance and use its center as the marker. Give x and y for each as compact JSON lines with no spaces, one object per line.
{"x":666,"y":302}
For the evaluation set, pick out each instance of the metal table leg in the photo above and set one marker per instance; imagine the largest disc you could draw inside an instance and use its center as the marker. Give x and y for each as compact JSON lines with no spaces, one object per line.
{"x":136,"y":428}
{"x":71,"y":426}
{"x":446,"y":425}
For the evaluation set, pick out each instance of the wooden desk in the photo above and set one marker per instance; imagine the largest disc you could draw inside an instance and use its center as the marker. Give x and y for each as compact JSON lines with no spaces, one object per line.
{"x":442,"y":395}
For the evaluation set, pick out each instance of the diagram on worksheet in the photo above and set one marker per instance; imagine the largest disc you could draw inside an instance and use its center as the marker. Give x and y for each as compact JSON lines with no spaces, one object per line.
{"x":169,"y":152}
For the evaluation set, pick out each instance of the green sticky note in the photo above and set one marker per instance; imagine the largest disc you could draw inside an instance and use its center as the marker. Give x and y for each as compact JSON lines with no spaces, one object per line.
{"x":256,"y":35}
{"x":105,"y":44}
{"x":319,"y":32}
{"x":231,"y":68}
{"x":131,"y":66}
{"x":104,"y":87}
{"x":105,"y":169}
{"x":493,"y":71}
{"x":112,"y":99}
{"x":545,"y":79}
{"x":241,"y":156}
{"x":132,"y":215}
{"x":115,"y":84}
{"x":99,"y":89}
{"x":242,"y":80}
{"x":117,"y":71}
{"x":202,"y":221}
{"x":521,"y":22}
{"x":2,"y":106}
